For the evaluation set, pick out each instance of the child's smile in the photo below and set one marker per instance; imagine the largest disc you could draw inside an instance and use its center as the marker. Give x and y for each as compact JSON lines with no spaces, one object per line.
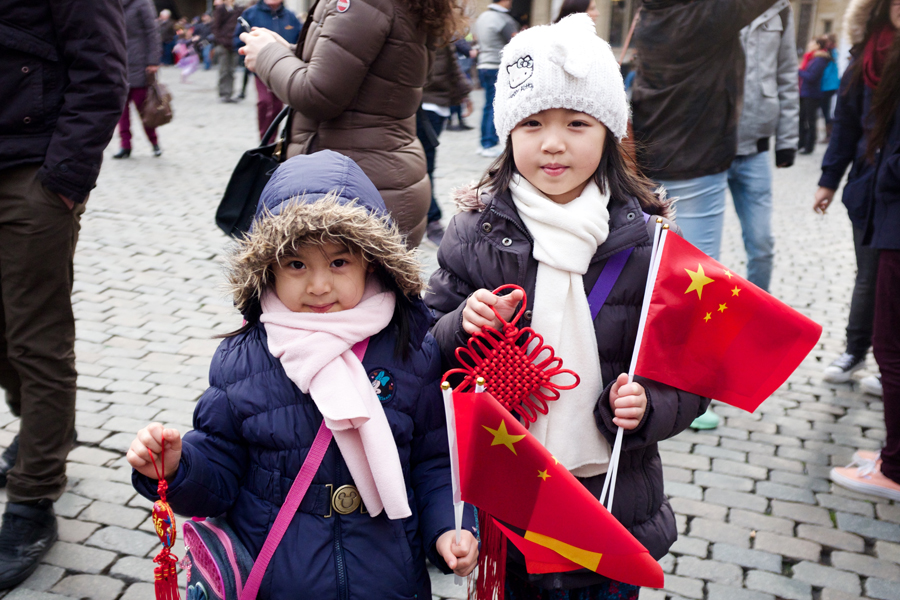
{"x":558,"y":151}
{"x":321,"y":279}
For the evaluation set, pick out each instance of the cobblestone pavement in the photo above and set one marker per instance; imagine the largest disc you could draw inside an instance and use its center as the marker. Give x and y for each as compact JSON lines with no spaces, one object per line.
{"x":757,"y":517}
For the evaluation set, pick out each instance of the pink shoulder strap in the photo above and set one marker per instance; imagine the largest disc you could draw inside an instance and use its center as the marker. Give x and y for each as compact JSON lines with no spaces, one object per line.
{"x":292,"y":502}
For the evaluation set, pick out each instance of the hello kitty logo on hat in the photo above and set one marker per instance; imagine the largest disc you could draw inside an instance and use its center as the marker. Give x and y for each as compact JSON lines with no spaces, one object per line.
{"x":520,"y":71}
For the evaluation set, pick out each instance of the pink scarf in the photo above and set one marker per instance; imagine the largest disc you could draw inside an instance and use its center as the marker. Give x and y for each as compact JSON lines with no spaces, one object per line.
{"x":315,"y":351}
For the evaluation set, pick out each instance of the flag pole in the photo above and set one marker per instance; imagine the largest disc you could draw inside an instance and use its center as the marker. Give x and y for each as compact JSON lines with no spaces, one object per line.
{"x":458,"y":504}
{"x":609,"y":484}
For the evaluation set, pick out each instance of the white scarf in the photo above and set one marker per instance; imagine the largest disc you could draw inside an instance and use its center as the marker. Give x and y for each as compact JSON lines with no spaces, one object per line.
{"x":566,"y":237}
{"x":316,"y":353}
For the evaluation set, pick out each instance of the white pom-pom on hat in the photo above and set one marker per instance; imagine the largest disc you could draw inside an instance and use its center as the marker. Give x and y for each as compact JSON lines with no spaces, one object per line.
{"x":565,"y":65}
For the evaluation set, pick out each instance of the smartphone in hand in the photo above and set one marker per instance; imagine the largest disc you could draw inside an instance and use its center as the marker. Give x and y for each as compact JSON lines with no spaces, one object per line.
{"x":244,"y":24}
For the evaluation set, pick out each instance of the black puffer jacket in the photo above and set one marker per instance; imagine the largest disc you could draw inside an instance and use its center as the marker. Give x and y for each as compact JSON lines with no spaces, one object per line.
{"x":62,"y":88}
{"x":488,"y":245}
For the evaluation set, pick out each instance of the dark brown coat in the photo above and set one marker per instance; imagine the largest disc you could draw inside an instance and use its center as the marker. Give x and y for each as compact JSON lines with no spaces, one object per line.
{"x":356,"y":88}
{"x":489,"y":245}
{"x":447,"y":84}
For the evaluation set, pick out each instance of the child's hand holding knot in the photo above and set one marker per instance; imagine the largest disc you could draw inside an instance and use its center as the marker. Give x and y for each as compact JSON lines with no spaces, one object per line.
{"x":478,"y":313}
{"x":151,"y":439}
{"x":461,"y":557}
{"x":628,"y":402}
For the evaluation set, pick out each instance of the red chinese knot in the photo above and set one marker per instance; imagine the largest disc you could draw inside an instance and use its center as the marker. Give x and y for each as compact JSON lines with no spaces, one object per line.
{"x":517,"y":366}
{"x":165,"y":576}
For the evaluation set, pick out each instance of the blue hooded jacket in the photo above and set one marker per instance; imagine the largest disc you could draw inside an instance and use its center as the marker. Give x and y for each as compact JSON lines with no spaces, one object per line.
{"x":253,"y":429}
{"x":282,"y":21}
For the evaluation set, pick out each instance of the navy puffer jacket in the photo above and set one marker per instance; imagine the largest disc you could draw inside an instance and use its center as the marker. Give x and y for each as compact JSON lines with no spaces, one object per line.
{"x":253,"y":428}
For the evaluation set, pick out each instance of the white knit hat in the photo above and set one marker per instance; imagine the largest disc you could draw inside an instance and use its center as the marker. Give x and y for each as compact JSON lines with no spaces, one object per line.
{"x":565,"y":65}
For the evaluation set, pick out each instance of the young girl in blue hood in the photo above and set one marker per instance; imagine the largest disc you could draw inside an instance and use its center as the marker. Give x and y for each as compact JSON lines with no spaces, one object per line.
{"x":323,"y":276}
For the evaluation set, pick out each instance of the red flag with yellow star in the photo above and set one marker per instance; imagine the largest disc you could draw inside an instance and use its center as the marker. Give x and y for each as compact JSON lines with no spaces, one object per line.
{"x":713,"y":333}
{"x":550,"y":516}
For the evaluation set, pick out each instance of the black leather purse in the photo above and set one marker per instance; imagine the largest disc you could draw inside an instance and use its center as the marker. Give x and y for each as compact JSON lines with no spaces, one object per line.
{"x":250,"y":176}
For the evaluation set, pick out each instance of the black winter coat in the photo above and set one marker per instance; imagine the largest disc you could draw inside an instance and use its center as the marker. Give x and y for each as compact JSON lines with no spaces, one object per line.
{"x":689,"y":86}
{"x":144,"y":45}
{"x":883,"y":227}
{"x":491,"y":246}
{"x":62,"y":88}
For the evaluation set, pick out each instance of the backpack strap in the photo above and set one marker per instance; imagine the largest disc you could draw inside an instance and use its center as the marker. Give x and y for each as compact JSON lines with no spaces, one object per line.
{"x":608,"y":277}
{"x":292,"y":502}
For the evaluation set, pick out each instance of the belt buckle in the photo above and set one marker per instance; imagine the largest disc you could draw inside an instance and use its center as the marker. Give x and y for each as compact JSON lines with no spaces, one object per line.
{"x":346,"y":499}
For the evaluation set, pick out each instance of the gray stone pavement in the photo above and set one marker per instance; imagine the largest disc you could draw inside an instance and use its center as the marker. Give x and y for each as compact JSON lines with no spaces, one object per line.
{"x":757,"y":517}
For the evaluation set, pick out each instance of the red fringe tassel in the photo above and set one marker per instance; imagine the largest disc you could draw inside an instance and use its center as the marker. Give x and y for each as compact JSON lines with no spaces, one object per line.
{"x":165,"y":576}
{"x":491,"y":579}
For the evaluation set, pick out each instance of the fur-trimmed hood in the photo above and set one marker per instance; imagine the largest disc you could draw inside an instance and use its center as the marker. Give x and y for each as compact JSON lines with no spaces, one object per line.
{"x":856,"y":18}
{"x":312,"y":200}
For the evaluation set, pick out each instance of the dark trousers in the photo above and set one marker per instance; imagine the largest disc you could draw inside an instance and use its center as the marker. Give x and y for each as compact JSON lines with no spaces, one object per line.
{"x":437,"y":124}
{"x":227,"y":61}
{"x":167,"y":49}
{"x":825,"y":105}
{"x":808,"y":112}
{"x":267,"y":106}
{"x":38,"y":234}
{"x":488,"y":79}
{"x":137,"y":96}
{"x":886,"y":345}
{"x":862,"y":303}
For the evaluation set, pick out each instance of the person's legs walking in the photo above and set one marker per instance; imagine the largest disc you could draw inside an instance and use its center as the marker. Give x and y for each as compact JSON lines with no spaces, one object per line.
{"x":226,"y":71}
{"x":866,"y":473}
{"x":862,"y":311}
{"x":38,"y":234}
{"x":750,"y":181}
{"x":138,"y":96}
{"x":700,"y":210}
{"x":886,"y":347}
{"x":488,"y":79}
{"x":125,"y":125}
{"x":808,"y":110}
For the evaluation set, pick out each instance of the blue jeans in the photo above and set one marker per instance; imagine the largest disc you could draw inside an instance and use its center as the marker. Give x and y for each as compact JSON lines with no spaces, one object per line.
{"x":488,"y":79}
{"x":750,"y":180}
{"x":700,"y":210}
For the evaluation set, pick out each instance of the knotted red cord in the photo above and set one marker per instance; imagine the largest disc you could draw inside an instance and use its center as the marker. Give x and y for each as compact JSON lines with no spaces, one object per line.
{"x":165,"y":577}
{"x":516,"y":365}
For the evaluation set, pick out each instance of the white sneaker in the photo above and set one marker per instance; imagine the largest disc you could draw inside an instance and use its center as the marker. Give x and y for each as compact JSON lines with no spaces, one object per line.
{"x":492,"y":152}
{"x":843,"y":368}
{"x":871,"y":385}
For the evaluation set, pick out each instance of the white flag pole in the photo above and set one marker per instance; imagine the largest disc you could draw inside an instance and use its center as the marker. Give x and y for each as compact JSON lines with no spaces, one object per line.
{"x":609,"y":485}
{"x":458,"y":504}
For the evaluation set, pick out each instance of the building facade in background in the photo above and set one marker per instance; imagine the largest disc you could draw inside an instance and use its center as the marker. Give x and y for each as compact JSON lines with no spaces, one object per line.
{"x":811,"y":17}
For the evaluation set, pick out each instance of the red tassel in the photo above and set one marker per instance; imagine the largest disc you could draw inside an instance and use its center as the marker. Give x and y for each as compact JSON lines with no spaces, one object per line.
{"x":165,"y":577}
{"x":491,"y":580}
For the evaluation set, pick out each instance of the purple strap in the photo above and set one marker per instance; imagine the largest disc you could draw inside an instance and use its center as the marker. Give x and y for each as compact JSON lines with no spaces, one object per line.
{"x":292,"y":502}
{"x":608,"y":276}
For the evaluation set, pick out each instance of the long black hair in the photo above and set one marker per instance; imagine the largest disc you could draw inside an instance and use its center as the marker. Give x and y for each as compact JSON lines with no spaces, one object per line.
{"x":617,"y":175}
{"x":885,"y":100}
{"x":571,"y":7}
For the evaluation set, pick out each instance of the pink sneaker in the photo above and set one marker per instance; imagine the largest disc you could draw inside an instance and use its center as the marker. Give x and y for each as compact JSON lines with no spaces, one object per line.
{"x":864,"y":475}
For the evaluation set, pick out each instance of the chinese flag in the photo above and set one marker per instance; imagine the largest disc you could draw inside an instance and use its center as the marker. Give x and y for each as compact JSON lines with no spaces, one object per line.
{"x":550,"y":516}
{"x":715,"y":334}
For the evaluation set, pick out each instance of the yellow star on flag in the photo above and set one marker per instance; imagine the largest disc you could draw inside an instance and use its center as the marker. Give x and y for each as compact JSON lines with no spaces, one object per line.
{"x":728,"y":274}
{"x":735,"y":291}
{"x":698,"y":280}
{"x":722,"y":308}
{"x":555,"y":460}
{"x":707,"y":317}
{"x":544,"y":475}
{"x":503,"y":437}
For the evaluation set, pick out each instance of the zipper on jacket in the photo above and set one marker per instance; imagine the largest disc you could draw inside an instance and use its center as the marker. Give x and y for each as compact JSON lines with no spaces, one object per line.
{"x":516,"y":225}
{"x":340,"y":565}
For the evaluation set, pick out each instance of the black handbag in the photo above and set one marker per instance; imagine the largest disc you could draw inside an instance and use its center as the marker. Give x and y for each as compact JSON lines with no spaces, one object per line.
{"x":250,"y":176}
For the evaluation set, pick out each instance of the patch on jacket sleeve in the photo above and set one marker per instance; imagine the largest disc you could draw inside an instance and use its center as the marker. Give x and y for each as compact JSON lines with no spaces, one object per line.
{"x":383,"y":382}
